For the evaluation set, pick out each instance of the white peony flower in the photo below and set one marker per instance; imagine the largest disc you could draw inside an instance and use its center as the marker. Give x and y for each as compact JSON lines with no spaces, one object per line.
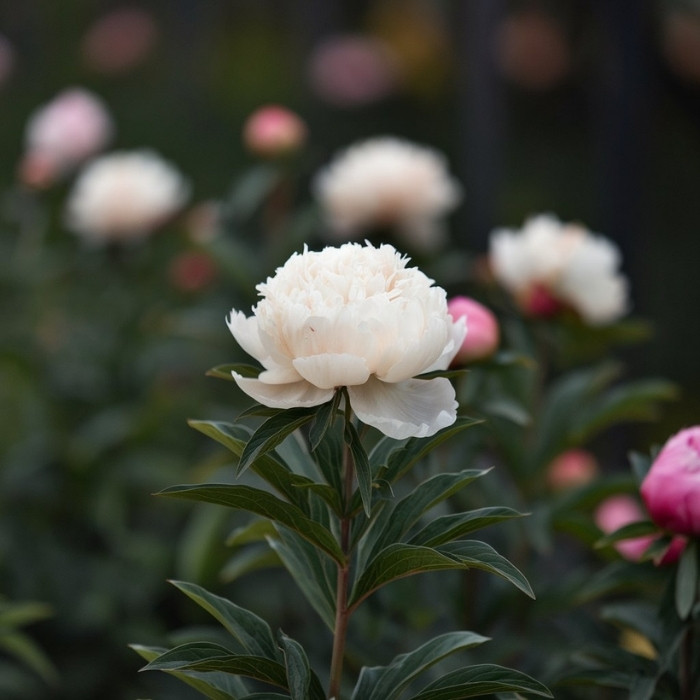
{"x":387,"y":181}
{"x":548,"y":265}
{"x":357,"y":317}
{"x":72,"y":127}
{"x":124,"y":195}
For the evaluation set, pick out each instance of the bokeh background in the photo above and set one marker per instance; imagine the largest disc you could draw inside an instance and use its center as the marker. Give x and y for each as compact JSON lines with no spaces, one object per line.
{"x":589,"y":109}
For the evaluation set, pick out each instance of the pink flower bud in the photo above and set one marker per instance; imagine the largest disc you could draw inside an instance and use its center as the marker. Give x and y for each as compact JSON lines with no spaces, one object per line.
{"x":618,"y":511}
{"x":571,"y":469}
{"x":671,"y":489}
{"x":192,"y":271}
{"x":274,"y":131}
{"x":483,"y":334}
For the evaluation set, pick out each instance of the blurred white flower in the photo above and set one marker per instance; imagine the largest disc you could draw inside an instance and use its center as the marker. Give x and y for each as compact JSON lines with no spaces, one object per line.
{"x":387,"y":181}
{"x":548,"y":266}
{"x":124,"y":195}
{"x":357,"y":317}
{"x":61,"y":134}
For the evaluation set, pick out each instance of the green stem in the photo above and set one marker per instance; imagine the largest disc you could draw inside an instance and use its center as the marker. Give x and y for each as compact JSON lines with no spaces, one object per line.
{"x":342,"y":613}
{"x":686,"y":675}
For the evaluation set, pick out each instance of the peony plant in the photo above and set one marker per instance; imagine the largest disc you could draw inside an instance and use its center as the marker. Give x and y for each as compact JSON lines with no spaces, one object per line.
{"x":354,"y":346}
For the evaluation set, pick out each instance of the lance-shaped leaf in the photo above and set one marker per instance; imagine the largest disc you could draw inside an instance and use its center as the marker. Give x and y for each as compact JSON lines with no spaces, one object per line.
{"x":387,"y":683}
{"x":362,"y":468}
{"x":267,"y":467}
{"x":215,"y":686}
{"x":479,"y":555}
{"x":249,"y":560}
{"x":393,"y":522}
{"x":251,"y":631}
{"x":262,"y":503}
{"x":398,"y":561}
{"x":483,"y":679}
{"x":303,"y":683}
{"x":323,"y":420}
{"x":449,"y":527}
{"x":226,"y":371}
{"x":687,"y":581}
{"x":313,"y":572}
{"x":204,"y":656}
{"x":272,"y":432}
{"x":416,"y":448}
{"x":627,"y":532}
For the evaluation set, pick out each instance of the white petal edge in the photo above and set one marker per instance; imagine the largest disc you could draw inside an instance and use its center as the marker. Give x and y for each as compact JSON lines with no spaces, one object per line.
{"x":459,"y":332}
{"x":296,"y":394}
{"x":414,"y":408}
{"x":245,"y":330}
{"x":330,"y":370}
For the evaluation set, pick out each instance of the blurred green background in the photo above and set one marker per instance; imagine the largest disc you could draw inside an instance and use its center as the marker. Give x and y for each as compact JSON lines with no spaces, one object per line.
{"x":587,"y":109}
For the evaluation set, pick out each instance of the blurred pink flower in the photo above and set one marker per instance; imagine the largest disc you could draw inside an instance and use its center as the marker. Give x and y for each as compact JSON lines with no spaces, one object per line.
{"x":192,"y":271}
{"x":671,"y":488}
{"x":483,"y":333}
{"x":616,"y":512}
{"x":60,"y":135}
{"x":350,"y":70}
{"x":119,"y":40}
{"x":571,"y":469}
{"x":533,"y":50}
{"x":274,"y":131}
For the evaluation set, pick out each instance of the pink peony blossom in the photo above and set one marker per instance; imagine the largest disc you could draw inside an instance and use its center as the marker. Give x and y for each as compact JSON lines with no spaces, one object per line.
{"x":273,"y":131}
{"x":671,"y":489}
{"x":483,"y":335}
{"x":571,"y":469}
{"x":618,"y":511}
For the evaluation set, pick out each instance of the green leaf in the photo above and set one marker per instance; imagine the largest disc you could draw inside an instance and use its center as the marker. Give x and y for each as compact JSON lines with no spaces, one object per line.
{"x":250,"y":191}
{"x":254,"y":531}
{"x":479,"y":555}
{"x":225,"y":371}
{"x":448,"y":527}
{"x":204,"y":656}
{"x":687,"y":581}
{"x":25,"y":650}
{"x":267,"y":467}
{"x":313,"y":572}
{"x":403,"y":669}
{"x":325,"y":415}
{"x":262,"y":503}
{"x":247,"y":561}
{"x":362,"y":468}
{"x":393,"y":522}
{"x":483,"y":679}
{"x":628,"y":532}
{"x":251,"y":631}
{"x":272,"y":432}
{"x":398,"y":561}
{"x":641,"y":464}
{"x":215,"y":686}
{"x":448,"y":373}
{"x":401,"y":460}
{"x":17,"y":614}
{"x":302,"y":681}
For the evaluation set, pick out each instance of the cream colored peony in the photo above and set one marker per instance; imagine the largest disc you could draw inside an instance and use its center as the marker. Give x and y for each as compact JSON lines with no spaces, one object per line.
{"x":354,"y":316}
{"x":124,"y":195}
{"x":387,"y":182}
{"x":548,"y":266}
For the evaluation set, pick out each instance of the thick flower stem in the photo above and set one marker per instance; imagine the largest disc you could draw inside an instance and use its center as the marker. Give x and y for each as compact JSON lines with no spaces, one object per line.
{"x":342,"y":614}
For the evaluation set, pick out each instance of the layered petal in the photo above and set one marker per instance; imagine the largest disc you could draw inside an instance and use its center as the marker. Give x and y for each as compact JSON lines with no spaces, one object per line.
{"x":293,"y":395}
{"x":414,"y":408}
{"x":332,"y":370}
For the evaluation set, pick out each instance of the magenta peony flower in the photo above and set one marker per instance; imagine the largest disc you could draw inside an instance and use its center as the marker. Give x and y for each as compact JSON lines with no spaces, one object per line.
{"x":482,"y":339}
{"x":671,"y":489}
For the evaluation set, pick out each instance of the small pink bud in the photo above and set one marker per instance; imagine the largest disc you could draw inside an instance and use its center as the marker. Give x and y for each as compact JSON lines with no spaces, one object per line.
{"x":483,"y":333}
{"x":618,"y":511}
{"x":671,"y":489}
{"x":571,"y":469}
{"x":191,"y":272}
{"x":274,"y":131}
{"x":539,"y":301}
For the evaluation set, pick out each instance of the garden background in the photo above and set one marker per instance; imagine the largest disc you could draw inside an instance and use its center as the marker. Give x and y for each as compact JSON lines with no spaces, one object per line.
{"x":589,"y":110}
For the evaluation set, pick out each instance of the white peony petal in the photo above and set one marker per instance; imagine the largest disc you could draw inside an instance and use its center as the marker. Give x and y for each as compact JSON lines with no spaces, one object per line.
{"x":283,"y":395}
{"x":458,"y":333}
{"x":245,"y":330}
{"x":414,"y":408}
{"x":332,"y":370}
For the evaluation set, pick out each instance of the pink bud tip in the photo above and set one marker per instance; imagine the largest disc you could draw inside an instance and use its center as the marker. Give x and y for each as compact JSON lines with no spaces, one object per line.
{"x":571,"y":469}
{"x":274,"y":131}
{"x":483,"y":335}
